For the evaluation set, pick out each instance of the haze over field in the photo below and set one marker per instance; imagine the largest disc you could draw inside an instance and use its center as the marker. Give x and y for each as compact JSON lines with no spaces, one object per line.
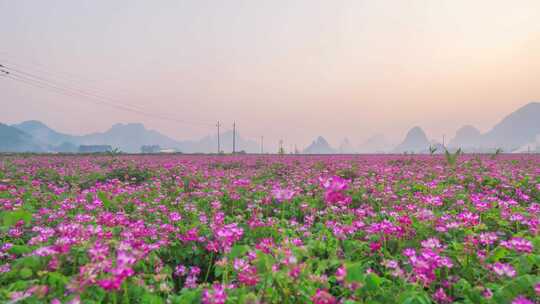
{"x":368,"y":71}
{"x":517,"y":132}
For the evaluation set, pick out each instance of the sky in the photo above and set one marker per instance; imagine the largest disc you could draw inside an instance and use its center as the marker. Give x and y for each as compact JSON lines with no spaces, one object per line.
{"x":290,"y":70}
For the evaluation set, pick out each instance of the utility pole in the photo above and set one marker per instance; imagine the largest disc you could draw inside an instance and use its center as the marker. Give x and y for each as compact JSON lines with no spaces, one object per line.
{"x":218,"y":143}
{"x":234,"y":137}
{"x":443,"y":142}
{"x":262,"y":144}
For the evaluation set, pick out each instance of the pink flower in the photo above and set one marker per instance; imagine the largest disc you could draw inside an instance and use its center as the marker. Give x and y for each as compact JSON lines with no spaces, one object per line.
{"x":522,"y":300}
{"x":341,"y":273}
{"x":441,"y":297}
{"x":180,"y":270}
{"x":323,"y":297}
{"x":487,"y":238}
{"x":75,"y":300}
{"x":175,"y":217}
{"x":248,"y":276}
{"x":334,"y":183}
{"x":195,"y":271}
{"x":295,"y":272}
{"x":5,"y":268}
{"x":215,"y":296}
{"x":227,"y":235}
{"x":110,"y":284}
{"x":502,"y":269}
{"x":375,"y":246}
{"x":282,"y":194}
{"x":518,"y":244}
{"x":335,"y":188}
{"x":432,"y":243}
{"x":240,"y":265}
{"x":98,"y":252}
{"x":487,"y":293}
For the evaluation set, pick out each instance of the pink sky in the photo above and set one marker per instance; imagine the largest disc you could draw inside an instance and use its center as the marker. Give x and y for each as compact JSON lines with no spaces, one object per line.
{"x":282,"y":69}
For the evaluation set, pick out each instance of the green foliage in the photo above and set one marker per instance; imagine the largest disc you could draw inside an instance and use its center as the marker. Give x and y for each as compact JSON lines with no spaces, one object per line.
{"x":10,"y":218}
{"x":170,"y":212}
{"x":496,"y":153}
{"x":452,"y":158}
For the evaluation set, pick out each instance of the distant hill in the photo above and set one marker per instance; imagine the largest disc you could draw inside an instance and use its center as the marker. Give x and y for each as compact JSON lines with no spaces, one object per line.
{"x":415,"y":141}
{"x":375,"y":144}
{"x":515,"y":130}
{"x":467,"y":137}
{"x":345,"y":147}
{"x":319,"y":146}
{"x":208,"y":144}
{"x":128,"y":138}
{"x":533,"y":146}
{"x":43,"y":133}
{"x":15,"y":140}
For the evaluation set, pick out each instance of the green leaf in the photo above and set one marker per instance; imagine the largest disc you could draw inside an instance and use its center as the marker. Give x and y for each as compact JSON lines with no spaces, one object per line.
{"x":373,"y":282}
{"x":264,"y":263}
{"x":247,"y":298}
{"x":498,"y":254}
{"x":57,"y":279}
{"x":524,"y":264}
{"x":238,"y":251}
{"x":355,"y":272}
{"x":187,"y":296}
{"x":10,"y":218}
{"x":25,"y":273}
{"x":415,"y":298}
{"x":31,"y":262}
{"x":19,"y":249}
{"x":149,"y":298}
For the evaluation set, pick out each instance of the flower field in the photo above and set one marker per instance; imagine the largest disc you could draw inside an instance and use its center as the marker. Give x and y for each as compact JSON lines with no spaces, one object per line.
{"x":270,"y":229}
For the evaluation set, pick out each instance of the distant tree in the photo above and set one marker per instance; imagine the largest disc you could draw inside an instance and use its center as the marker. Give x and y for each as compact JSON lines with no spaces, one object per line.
{"x":94,"y":148}
{"x":114,"y":152}
{"x":496,"y":153}
{"x":146,"y":149}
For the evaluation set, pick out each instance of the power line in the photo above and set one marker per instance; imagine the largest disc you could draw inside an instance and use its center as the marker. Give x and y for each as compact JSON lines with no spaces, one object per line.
{"x":59,"y":76}
{"x":44,"y":83}
{"x":48,"y":72}
{"x":37,"y":66}
{"x":43,"y":79}
{"x":47,"y":84}
{"x":60,"y":91}
{"x":104,"y":100}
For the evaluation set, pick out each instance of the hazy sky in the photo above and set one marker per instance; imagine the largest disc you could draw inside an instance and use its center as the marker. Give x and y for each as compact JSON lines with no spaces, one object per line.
{"x":282,"y":69}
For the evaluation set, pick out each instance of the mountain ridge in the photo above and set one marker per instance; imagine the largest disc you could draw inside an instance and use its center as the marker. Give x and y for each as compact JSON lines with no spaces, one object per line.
{"x":415,"y":141}
{"x":513,"y":132}
{"x":319,"y":146}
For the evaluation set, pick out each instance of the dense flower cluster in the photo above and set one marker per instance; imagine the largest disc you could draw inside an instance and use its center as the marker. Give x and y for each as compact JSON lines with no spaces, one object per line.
{"x":269,"y":229}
